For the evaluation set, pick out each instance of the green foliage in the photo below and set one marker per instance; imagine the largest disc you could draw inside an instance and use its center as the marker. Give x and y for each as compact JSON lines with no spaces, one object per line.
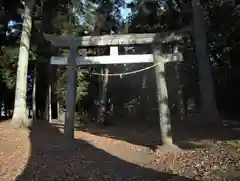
{"x":8,"y":66}
{"x":82,"y":87}
{"x":158,"y":16}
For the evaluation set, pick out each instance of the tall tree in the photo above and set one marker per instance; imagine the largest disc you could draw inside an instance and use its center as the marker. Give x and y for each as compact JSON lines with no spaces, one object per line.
{"x":208,"y":102}
{"x":20,"y":117}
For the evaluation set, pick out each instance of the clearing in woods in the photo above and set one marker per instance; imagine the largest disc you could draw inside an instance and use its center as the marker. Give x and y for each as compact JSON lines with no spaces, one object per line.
{"x":109,"y":153}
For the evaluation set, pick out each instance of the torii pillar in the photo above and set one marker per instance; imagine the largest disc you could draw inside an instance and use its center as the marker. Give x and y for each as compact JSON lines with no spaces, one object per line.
{"x":71,"y":94}
{"x":71,"y":88}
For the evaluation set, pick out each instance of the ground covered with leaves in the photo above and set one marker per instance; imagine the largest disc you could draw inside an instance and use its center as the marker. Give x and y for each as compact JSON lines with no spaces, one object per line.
{"x":40,"y":154}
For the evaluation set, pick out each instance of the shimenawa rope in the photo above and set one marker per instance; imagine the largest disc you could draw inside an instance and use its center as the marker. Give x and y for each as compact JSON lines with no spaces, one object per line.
{"x":123,"y":73}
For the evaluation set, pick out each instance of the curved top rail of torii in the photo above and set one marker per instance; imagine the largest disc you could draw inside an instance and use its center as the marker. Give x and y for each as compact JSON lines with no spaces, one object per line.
{"x":120,"y":39}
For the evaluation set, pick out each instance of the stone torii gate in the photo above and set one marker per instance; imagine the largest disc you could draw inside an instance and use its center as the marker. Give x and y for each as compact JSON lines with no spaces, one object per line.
{"x":73,"y":60}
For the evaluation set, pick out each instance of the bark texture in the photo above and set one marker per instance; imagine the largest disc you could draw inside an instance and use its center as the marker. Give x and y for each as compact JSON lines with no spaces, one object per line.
{"x":20,"y":118}
{"x":208,"y":103}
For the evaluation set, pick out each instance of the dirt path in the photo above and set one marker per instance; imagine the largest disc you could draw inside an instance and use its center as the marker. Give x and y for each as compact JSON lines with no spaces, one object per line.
{"x":38,"y":155}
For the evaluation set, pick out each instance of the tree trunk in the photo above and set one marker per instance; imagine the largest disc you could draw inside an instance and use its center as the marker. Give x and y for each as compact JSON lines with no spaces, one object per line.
{"x":58,"y":110}
{"x":58,"y":104}
{"x":34,"y":109}
{"x":104,"y":89}
{"x":143,"y":109}
{"x":178,"y":60}
{"x":20,"y":117}
{"x":1,"y":110}
{"x":208,"y":102}
{"x":6,"y":108}
{"x":46,"y":115}
{"x":49,"y":103}
{"x":48,"y":106}
{"x":98,"y":103}
{"x":103,"y":93}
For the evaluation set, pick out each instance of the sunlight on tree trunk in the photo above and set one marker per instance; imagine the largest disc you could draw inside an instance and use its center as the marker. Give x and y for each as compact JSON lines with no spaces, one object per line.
{"x":20,"y":118}
{"x":34,"y":109}
{"x":103,"y":94}
{"x":48,"y":106}
{"x":58,"y":110}
{"x":49,"y":103}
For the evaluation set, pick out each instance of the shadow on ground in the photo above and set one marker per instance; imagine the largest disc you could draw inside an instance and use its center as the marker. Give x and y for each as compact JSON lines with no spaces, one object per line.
{"x":189,"y":134}
{"x":4,"y":118}
{"x":49,"y":160}
{"x":131,"y":133}
{"x":197,"y":134}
